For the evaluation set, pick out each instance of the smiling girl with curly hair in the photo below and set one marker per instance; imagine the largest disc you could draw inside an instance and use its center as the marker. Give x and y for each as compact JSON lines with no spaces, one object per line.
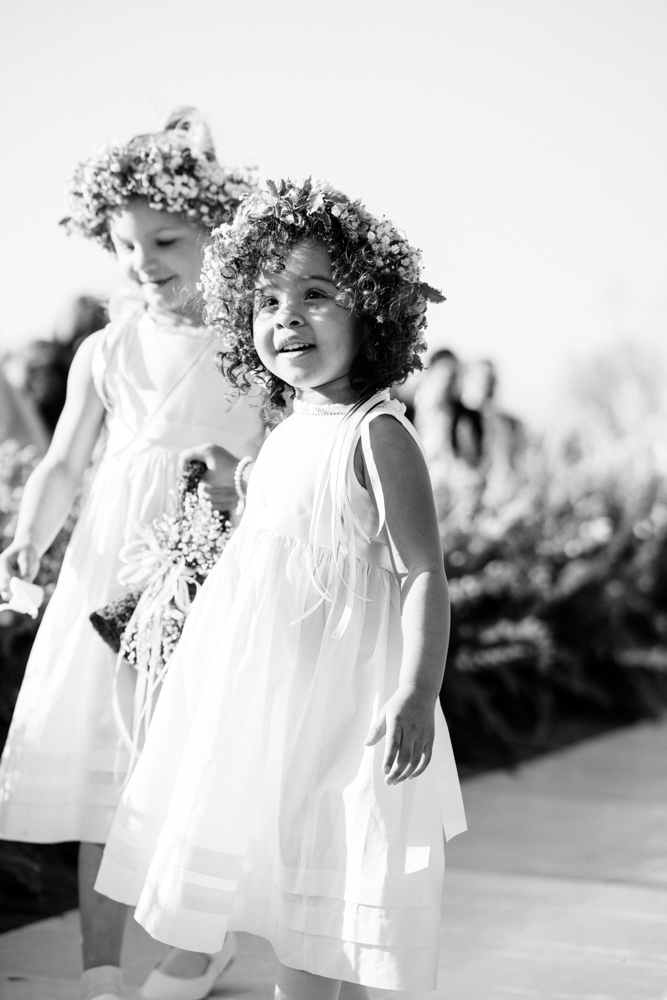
{"x":377,"y":275}
{"x":304,"y":691}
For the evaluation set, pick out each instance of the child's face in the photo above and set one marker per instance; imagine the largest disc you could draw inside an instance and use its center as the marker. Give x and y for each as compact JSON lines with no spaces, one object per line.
{"x":159,"y":251}
{"x":300,"y":333}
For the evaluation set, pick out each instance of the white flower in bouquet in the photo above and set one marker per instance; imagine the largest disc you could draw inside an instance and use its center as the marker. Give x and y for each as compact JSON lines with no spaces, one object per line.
{"x":169,"y":559}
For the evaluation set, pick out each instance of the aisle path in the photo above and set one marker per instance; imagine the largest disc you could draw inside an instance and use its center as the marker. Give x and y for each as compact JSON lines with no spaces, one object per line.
{"x":558,"y":892}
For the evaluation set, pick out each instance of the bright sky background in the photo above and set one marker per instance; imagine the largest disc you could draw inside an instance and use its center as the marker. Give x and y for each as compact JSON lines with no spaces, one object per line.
{"x":522,"y":144}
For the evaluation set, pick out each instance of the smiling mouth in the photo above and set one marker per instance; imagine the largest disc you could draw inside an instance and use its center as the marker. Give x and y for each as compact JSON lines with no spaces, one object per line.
{"x":295,"y":348}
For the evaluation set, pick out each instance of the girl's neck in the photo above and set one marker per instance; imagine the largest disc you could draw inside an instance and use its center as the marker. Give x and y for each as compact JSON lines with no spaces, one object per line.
{"x":168,"y":317}
{"x":338,"y":391}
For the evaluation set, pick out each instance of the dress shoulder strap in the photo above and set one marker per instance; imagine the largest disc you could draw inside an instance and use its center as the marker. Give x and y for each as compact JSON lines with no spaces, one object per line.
{"x":396,"y":409}
{"x":332,"y":497}
{"x":106,"y":350}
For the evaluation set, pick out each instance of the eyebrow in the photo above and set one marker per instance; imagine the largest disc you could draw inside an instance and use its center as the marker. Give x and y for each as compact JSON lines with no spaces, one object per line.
{"x":317,"y":277}
{"x":155,"y":232}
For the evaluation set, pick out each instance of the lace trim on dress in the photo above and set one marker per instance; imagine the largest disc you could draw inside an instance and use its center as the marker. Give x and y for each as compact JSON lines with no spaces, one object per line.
{"x":320,"y":409}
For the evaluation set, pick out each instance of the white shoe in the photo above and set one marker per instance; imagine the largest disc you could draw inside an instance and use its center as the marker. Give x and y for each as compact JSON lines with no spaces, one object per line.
{"x":160,"y":986}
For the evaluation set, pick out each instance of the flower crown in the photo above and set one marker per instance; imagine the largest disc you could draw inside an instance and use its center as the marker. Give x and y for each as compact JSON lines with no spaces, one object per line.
{"x":175,"y":170}
{"x":318,"y":200}
{"x":386,"y":252}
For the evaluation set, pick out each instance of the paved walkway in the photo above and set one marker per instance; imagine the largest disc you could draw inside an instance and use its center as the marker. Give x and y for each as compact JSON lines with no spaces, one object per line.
{"x":558,"y":892}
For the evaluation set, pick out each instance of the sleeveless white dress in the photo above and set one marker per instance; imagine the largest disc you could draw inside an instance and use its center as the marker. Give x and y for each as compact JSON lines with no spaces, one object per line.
{"x":255,"y":805}
{"x":65,"y":763}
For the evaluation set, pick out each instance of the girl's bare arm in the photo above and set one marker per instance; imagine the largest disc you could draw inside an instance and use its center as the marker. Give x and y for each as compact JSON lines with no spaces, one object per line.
{"x":51,"y":488}
{"x":407,"y":719}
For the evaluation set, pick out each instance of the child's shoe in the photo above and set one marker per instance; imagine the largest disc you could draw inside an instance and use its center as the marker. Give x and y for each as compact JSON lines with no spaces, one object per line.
{"x":160,"y":986}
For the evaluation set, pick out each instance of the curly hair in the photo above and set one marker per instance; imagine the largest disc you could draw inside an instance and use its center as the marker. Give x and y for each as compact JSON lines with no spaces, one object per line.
{"x":376,"y":271}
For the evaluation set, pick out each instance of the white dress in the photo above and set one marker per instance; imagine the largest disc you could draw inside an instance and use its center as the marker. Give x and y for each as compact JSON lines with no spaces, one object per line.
{"x":65,"y":763}
{"x":255,"y":805}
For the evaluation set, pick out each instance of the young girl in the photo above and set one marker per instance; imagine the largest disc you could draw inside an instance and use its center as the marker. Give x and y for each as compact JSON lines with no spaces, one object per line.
{"x":150,"y":380}
{"x":271,"y":795}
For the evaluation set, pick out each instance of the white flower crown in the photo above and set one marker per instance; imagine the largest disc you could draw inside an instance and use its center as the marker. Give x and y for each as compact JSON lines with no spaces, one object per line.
{"x":175,"y":171}
{"x":294,"y":204}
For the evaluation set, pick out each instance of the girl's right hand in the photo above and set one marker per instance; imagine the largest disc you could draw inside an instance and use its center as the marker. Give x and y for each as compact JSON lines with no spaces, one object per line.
{"x":19,"y":559}
{"x":217,"y":485}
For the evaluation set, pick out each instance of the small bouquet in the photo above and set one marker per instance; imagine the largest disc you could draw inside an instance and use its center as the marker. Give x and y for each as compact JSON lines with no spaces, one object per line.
{"x":164,"y":568}
{"x":168,"y":562}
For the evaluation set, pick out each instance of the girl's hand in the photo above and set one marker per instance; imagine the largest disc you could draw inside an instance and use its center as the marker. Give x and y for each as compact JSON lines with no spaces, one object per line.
{"x":217,"y":486}
{"x":407,"y":721}
{"x":19,"y":559}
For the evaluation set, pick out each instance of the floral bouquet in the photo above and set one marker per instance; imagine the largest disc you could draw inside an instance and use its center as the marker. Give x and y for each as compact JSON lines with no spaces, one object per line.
{"x":168,"y":562}
{"x":164,"y":568}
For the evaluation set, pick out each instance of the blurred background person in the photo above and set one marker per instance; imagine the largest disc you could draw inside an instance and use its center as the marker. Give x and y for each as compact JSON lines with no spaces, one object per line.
{"x":39,"y":371}
{"x":83,"y":315}
{"x":448,"y":428}
{"x":19,"y":421}
{"x":503,"y":437}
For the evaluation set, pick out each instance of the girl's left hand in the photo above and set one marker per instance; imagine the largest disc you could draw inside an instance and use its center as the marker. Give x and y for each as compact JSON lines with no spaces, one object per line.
{"x":407,"y":720}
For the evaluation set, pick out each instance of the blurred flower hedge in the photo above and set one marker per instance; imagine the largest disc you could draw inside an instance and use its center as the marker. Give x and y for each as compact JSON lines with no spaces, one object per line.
{"x":558,"y":575}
